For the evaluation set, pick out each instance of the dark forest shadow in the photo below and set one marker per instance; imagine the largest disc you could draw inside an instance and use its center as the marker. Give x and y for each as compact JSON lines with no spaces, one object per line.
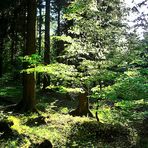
{"x":56,"y":101}
{"x":142,"y":130}
{"x":96,"y":134}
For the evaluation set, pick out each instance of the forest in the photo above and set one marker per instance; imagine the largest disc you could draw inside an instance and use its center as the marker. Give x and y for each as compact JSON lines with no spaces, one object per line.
{"x":73,"y":73}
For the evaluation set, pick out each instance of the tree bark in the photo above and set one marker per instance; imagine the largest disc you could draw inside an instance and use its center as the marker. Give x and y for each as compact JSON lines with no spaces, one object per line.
{"x":40,"y":28}
{"x":83,"y":106}
{"x":3,"y":33}
{"x":58,"y":20}
{"x":29,"y":99}
{"x":13,"y":37}
{"x":1,"y":57}
{"x":59,"y":43}
{"x":40,"y":36}
{"x":47,"y":42}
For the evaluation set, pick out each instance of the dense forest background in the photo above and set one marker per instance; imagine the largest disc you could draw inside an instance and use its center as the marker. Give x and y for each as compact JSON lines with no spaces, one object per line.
{"x":73,"y":73}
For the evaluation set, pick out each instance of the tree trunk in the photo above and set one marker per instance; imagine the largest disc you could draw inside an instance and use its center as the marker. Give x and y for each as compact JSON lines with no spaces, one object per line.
{"x":1,"y":57}
{"x":47,"y":42}
{"x":3,"y":33}
{"x":60,"y":45}
{"x":29,"y":99}
{"x":40,"y":36}
{"x":12,"y":51}
{"x":40,"y":28}
{"x":83,"y":106}
{"x":58,"y":21}
{"x":13,"y":37}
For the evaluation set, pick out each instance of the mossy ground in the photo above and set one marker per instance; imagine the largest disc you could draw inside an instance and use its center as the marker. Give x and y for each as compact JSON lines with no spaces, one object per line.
{"x":123,"y":124}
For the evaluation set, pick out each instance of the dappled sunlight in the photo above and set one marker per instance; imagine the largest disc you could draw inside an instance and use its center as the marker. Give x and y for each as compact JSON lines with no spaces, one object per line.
{"x":73,"y":73}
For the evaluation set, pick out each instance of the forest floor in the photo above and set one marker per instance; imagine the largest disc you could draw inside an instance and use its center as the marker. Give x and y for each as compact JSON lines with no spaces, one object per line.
{"x":123,"y":124}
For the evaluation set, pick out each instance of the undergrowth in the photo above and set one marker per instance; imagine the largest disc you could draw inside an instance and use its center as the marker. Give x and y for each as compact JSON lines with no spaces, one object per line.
{"x":115,"y":129}
{"x":122,"y":123}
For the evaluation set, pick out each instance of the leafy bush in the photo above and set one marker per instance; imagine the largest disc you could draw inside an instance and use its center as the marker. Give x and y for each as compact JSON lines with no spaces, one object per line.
{"x":130,"y":86}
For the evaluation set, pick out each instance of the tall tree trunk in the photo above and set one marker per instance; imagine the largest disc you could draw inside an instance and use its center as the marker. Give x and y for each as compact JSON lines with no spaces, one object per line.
{"x":12,"y":51}
{"x":40,"y":36}
{"x":29,"y":98}
{"x":83,"y":106}
{"x":59,"y":44}
{"x":13,"y":37}
{"x":47,"y":42}
{"x":58,"y":21}
{"x":40,"y":27}
{"x":1,"y":57}
{"x":3,"y":33}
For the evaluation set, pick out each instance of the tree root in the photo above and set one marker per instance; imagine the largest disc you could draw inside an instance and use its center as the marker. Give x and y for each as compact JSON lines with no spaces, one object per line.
{"x":19,"y":108}
{"x":77,"y":112}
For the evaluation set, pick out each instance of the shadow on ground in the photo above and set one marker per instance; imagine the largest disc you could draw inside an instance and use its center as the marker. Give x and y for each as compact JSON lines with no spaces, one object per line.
{"x":95,"y":134}
{"x":56,"y":101}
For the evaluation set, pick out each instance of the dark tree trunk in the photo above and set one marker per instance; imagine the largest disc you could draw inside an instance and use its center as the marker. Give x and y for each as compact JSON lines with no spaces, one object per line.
{"x":29,"y":99}
{"x":83,"y":106}
{"x":47,"y":33}
{"x":40,"y":37}
{"x":58,"y":21}
{"x":12,"y":50}
{"x":3,"y":34}
{"x":1,"y":57}
{"x":13,"y":37}
{"x":60,"y":44}
{"x":40,"y":28}
{"x":47,"y":42}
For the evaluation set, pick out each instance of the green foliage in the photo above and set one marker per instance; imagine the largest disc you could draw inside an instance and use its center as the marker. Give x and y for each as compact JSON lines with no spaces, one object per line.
{"x":63,"y":89}
{"x":33,"y":59}
{"x":99,"y":56}
{"x":116,"y":122}
{"x":129,"y":86}
{"x":96,"y":40}
{"x":63,"y":38}
{"x":10,"y":90}
{"x":7,"y":77}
